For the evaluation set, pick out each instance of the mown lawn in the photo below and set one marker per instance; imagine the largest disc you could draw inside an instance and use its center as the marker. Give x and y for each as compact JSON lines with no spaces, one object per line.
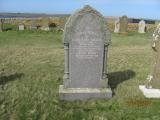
{"x":31,"y":70}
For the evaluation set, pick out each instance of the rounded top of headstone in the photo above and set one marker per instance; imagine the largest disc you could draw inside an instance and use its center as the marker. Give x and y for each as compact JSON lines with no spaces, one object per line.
{"x":69,"y":26}
{"x":124,"y":16}
{"x":156,"y":34}
{"x":142,"y":21}
{"x":87,"y":7}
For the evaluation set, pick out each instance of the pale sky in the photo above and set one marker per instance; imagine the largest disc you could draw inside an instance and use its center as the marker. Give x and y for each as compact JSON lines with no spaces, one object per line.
{"x":132,"y":8}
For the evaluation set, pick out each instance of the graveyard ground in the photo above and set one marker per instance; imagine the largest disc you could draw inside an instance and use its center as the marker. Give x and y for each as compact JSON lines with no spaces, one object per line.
{"x":31,"y":70}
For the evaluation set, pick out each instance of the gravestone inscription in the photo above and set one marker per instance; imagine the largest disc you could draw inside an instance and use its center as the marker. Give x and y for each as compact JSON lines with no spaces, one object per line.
{"x":86,"y":40}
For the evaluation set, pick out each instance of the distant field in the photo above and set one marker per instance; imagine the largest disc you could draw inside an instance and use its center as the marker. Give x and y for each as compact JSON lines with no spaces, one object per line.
{"x":31,"y":70}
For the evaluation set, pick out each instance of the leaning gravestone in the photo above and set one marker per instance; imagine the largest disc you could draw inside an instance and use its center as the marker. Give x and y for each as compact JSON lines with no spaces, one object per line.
{"x":123,"y":25}
{"x":141,"y":26}
{"x":86,"y":40}
{"x":152,"y":87}
{"x":117,"y":25}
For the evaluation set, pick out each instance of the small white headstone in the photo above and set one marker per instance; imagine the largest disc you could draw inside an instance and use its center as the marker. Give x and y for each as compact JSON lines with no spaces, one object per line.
{"x":21,"y":27}
{"x":45,"y":28}
{"x":141,"y":26}
{"x":117,"y":25}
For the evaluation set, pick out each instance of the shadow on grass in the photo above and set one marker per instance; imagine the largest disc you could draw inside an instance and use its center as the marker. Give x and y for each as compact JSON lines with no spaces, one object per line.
{"x":6,"y":79}
{"x":116,"y":78}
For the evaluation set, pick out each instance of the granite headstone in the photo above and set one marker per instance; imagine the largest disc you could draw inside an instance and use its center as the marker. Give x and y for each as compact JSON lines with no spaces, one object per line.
{"x":45,"y":24}
{"x":123,"y":25}
{"x":86,"y":40}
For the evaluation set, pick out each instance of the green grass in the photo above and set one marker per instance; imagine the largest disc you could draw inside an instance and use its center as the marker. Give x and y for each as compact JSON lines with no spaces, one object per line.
{"x":31,"y":70}
{"x":29,"y":38}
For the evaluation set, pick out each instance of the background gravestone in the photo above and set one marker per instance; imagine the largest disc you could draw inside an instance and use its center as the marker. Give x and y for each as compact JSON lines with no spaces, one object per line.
{"x":152,"y":88}
{"x":123,"y":25}
{"x":1,"y":25}
{"x":117,"y":25}
{"x":86,"y":40}
{"x":141,"y":26}
{"x":45,"y":24}
{"x":21,"y":26}
{"x":33,"y":25}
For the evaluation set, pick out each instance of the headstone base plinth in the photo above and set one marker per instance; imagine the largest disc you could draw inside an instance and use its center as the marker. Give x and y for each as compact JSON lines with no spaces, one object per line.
{"x":71,"y":94}
{"x":45,"y":28}
{"x":150,"y":92}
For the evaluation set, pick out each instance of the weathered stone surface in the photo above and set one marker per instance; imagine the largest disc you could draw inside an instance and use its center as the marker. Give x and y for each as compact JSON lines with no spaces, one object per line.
{"x":71,"y":94}
{"x":141,"y":26}
{"x":117,"y":25}
{"x":150,"y":92}
{"x":123,"y":24}
{"x":152,"y":87}
{"x":154,"y":79}
{"x":86,"y":40}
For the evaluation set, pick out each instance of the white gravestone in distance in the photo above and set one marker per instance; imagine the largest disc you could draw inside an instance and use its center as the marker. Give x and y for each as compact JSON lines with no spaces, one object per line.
{"x":86,"y":40}
{"x":21,"y":26}
{"x":141,"y":26}
{"x":152,"y":88}
{"x":117,"y":25}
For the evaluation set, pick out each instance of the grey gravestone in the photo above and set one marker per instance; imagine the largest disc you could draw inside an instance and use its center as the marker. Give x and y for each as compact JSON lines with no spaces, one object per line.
{"x":33,"y":24}
{"x":86,"y":40}
{"x":123,"y":24}
{"x":152,"y":88}
{"x":21,"y":26}
{"x":45,"y":24}
{"x":141,"y":26}
{"x":1,"y":24}
{"x":117,"y":25}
